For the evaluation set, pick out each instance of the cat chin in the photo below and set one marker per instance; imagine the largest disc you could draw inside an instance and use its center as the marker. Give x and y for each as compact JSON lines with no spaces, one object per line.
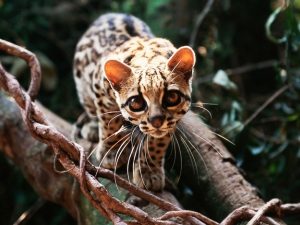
{"x":158,"y":134}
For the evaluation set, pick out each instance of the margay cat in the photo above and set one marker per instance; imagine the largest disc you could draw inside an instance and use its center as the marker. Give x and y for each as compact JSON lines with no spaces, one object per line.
{"x":136,"y":87}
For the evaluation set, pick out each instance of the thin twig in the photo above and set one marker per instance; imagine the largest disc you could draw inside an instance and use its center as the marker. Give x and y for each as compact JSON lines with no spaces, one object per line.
{"x":274,"y":206}
{"x":252,"y":67}
{"x":241,"y":70}
{"x":266,"y":103}
{"x":25,"y":216}
{"x":199,"y":21}
{"x":271,"y":206}
{"x":242,"y":214}
{"x":290,"y":209}
{"x":32,"y":61}
{"x":185,"y":213}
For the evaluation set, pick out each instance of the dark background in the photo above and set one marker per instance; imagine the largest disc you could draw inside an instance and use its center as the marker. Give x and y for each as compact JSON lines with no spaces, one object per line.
{"x":232,"y":36}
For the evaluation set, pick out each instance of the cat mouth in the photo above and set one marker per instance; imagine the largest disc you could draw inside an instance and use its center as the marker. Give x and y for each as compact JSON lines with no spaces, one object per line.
{"x":158,"y":133}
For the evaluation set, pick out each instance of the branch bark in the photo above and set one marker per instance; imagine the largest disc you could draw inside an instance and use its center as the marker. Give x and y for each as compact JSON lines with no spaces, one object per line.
{"x":221,"y":184}
{"x":36,"y":161}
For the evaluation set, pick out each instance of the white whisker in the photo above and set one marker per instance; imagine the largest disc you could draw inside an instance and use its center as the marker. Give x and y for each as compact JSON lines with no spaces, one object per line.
{"x":147,"y":153}
{"x":110,"y":149}
{"x":113,"y":119}
{"x":205,"y":109}
{"x":210,"y":143}
{"x":110,"y":112}
{"x":114,"y":134}
{"x":196,"y":150}
{"x":224,"y":138}
{"x":117,"y":132}
{"x":203,"y":103}
{"x":191,"y":155}
{"x":139,"y":160}
{"x":174,"y":70}
{"x":117,"y":157}
{"x":173,"y":151}
{"x":180,"y":155}
{"x":134,"y":158}
{"x":132,"y":150}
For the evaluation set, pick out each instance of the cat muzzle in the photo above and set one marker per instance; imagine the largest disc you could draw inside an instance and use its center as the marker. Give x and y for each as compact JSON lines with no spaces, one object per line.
{"x":157,"y":121}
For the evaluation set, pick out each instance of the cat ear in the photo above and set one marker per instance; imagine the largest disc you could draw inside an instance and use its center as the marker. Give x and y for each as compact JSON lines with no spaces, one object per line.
{"x":183,"y":61}
{"x":116,"y":72}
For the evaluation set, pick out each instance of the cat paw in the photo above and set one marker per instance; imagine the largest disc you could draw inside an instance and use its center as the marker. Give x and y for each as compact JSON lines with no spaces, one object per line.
{"x":89,"y":131}
{"x":86,"y":128}
{"x":151,"y":179}
{"x":137,"y":201}
{"x":110,"y":160}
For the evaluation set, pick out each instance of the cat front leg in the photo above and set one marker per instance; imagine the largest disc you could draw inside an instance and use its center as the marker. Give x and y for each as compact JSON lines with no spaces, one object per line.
{"x":112,"y":149}
{"x":148,"y":171}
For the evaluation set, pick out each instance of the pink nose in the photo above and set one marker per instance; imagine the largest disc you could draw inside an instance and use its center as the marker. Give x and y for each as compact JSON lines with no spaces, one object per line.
{"x":157,"y":121}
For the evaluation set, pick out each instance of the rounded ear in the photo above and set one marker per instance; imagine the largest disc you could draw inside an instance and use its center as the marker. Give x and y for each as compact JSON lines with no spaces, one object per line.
{"x":183,"y":60}
{"x":116,"y":72}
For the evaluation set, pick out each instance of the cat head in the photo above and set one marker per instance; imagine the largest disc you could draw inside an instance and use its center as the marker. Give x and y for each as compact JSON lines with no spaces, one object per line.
{"x":153,"y":97}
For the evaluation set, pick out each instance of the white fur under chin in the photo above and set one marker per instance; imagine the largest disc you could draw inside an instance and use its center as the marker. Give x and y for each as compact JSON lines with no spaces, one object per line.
{"x":158,"y":134}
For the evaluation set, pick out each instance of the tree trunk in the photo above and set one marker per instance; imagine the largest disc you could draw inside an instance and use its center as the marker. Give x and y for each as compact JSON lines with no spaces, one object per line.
{"x":220,"y":184}
{"x":220,"y":187}
{"x":37,"y":163}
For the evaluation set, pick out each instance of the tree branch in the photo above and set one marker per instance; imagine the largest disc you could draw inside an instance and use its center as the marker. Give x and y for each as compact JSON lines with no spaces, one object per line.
{"x":199,"y":21}
{"x":71,"y":155}
{"x":220,"y":180}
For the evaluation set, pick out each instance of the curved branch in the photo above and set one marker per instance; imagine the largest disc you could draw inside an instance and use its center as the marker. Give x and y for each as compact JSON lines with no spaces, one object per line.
{"x":30,"y":58}
{"x":41,"y":129}
{"x":225,"y":185}
{"x":199,"y":21}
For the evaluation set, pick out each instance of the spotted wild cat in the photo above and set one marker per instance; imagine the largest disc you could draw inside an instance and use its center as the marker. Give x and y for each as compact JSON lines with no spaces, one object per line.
{"x":134,"y":87}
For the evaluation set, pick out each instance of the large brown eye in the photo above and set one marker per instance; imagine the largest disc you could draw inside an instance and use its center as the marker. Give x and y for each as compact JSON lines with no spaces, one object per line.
{"x":172,"y":98}
{"x":137,"y":103}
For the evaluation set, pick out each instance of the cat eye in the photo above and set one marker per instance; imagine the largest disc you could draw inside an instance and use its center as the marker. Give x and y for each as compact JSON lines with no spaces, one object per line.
{"x":136,"y":103}
{"x":172,"y":98}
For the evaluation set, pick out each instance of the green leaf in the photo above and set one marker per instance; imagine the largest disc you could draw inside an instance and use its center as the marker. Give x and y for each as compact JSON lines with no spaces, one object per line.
{"x":279,"y":150}
{"x":293,"y":117}
{"x":154,"y":5}
{"x":256,"y":150}
{"x":297,"y":4}
{"x":233,"y":129}
{"x":225,"y":120}
{"x":235,"y":111}
{"x":298,"y":153}
{"x":221,"y":78}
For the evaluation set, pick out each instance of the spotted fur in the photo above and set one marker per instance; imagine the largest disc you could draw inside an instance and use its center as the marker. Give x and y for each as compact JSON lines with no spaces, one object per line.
{"x":128,"y":82}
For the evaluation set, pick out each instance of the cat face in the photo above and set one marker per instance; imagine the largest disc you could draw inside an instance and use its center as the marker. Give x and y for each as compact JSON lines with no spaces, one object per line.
{"x":153,"y":97}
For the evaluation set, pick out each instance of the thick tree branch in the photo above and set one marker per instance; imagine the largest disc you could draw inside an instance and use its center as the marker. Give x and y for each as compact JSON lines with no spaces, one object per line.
{"x":36,"y":161}
{"x":222,"y":185}
{"x":69,"y":153}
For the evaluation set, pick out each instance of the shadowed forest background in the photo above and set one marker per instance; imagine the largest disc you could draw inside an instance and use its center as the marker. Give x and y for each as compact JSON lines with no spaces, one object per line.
{"x":247,"y":53}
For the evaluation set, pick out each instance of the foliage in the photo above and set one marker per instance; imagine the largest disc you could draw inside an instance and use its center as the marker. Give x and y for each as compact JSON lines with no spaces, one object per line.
{"x":246,"y":51}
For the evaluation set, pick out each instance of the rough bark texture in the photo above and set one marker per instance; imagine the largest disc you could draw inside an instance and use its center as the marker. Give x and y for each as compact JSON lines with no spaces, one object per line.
{"x":36,"y":161}
{"x":221,"y":187}
{"x":220,"y":183}
{"x":34,"y":158}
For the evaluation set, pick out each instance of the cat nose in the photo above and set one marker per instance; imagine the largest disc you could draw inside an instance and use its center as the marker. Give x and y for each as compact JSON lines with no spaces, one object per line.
{"x":157,"y":121}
